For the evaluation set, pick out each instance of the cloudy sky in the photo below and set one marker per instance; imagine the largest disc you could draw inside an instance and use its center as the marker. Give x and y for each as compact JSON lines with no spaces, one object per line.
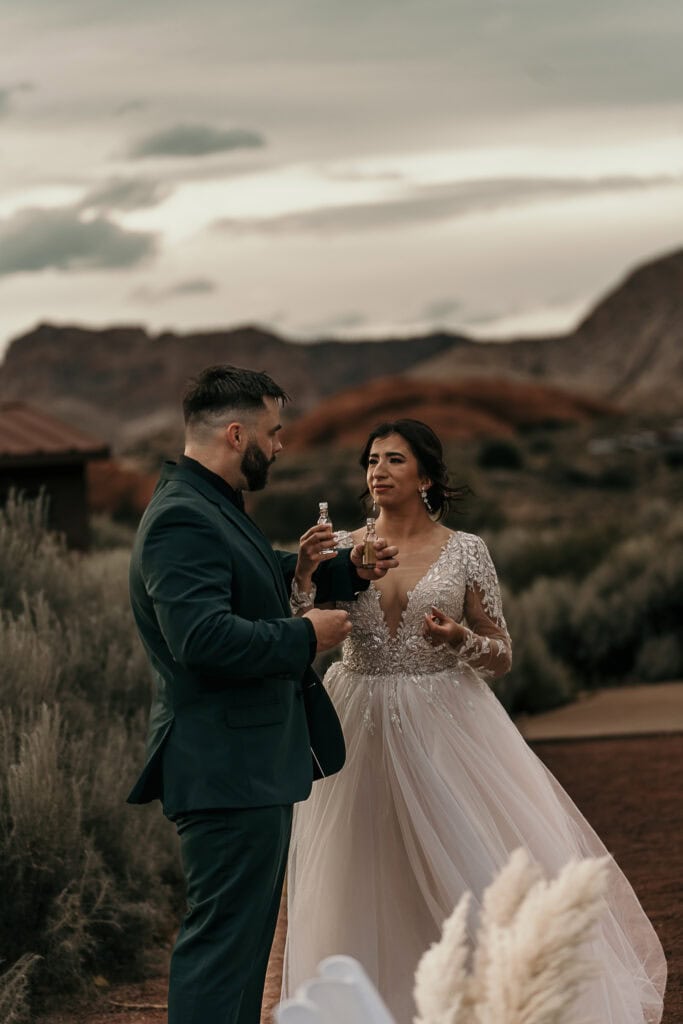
{"x":334,"y":167}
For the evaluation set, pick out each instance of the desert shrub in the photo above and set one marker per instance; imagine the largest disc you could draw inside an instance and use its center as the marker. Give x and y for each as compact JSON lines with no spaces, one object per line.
{"x":478,"y":513}
{"x":523,"y":555}
{"x":673,"y":458}
{"x":107,"y":533}
{"x":285,"y":513}
{"x":92,"y":881}
{"x":660,"y":658}
{"x":540,"y":443}
{"x":618,"y":477}
{"x":500,"y":454}
{"x":31,"y":559}
{"x":591,"y":608}
{"x":628,"y":611}
{"x":542,"y":675}
{"x":14,"y":1003}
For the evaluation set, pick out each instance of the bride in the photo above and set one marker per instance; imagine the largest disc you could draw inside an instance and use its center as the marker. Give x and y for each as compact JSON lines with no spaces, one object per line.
{"x":439,"y":787}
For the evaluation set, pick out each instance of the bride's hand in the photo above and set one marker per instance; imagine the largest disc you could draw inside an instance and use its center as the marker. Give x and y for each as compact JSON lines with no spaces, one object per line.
{"x":312,"y":550}
{"x":386,"y":560}
{"x":440,"y":628}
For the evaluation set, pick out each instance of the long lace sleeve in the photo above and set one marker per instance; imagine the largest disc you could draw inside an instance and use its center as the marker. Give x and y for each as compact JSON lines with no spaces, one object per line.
{"x":487,"y":646}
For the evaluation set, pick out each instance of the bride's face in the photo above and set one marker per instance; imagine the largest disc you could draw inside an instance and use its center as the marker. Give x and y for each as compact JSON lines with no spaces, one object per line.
{"x":393,"y":475}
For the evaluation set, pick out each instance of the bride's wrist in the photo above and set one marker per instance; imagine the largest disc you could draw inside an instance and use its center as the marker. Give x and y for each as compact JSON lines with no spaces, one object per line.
{"x":303,"y":581}
{"x":302,"y":596}
{"x":462,"y":638}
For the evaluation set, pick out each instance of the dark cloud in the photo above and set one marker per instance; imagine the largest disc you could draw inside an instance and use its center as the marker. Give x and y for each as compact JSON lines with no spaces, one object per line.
{"x":344,"y":321}
{"x":192,"y":286}
{"x":196,"y":140}
{"x":130,"y":107}
{"x":336,"y":325}
{"x":39,"y":239}
{"x":441,"y":309}
{"x":125,"y":194}
{"x":436,"y":202}
{"x":7,"y":91}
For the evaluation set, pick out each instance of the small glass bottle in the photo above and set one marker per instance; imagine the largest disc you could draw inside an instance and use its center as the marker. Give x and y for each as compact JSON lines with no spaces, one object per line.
{"x":324,"y":520}
{"x":369,"y":553}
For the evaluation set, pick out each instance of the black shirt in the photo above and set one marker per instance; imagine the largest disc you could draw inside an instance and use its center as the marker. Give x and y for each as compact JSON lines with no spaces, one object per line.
{"x":221,"y":485}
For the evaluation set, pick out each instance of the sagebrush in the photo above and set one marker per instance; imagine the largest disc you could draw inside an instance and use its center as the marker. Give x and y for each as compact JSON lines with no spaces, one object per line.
{"x":89,"y":885}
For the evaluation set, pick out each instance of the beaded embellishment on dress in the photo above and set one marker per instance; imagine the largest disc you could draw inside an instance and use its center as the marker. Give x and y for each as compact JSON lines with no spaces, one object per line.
{"x":374,"y":656}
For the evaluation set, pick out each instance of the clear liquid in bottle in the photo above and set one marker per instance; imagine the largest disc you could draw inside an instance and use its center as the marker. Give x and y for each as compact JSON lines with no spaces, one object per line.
{"x":324,"y":519}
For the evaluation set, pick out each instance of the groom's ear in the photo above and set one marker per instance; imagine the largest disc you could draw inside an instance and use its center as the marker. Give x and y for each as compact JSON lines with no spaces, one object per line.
{"x":235,"y":436}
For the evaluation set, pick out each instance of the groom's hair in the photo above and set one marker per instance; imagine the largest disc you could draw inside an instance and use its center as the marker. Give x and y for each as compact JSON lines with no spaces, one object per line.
{"x":220,"y":390}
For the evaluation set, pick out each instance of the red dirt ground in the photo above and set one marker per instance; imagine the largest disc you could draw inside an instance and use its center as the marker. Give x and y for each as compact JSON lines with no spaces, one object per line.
{"x":630,"y":790}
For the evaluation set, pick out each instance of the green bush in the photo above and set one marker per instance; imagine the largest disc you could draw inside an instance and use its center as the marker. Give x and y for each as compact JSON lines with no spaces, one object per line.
{"x":524,"y":555}
{"x":285,"y":513}
{"x":93,"y":882}
{"x":542,"y":675}
{"x":629,"y":610}
{"x":592,"y":609}
{"x":107,"y":533}
{"x":500,"y":454}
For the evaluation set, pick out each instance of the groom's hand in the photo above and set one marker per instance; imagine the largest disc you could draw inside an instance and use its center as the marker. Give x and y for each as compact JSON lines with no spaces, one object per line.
{"x":315,"y":546}
{"x":331,"y":627}
{"x":386,"y":560}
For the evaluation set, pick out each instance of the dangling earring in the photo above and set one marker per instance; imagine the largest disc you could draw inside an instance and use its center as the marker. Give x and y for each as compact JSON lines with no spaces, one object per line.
{"x":423,"y":495}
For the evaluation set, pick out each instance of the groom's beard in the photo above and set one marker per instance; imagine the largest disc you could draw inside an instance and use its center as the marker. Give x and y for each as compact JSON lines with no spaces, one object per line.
{"x":255,"y":466}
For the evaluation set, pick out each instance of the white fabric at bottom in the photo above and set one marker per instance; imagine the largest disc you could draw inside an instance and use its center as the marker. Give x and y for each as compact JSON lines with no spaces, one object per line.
{"x":439,"y":788}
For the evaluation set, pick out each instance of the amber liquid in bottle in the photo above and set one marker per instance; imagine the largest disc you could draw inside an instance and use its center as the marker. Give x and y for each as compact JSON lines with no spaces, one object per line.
{"x":369,"y":553}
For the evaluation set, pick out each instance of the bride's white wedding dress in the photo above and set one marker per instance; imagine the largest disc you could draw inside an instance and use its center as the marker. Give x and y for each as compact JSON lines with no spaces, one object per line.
{"x":438,"y":789}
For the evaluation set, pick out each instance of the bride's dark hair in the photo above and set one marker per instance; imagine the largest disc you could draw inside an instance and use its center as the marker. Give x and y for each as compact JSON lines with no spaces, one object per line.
{"x":428,"y":450}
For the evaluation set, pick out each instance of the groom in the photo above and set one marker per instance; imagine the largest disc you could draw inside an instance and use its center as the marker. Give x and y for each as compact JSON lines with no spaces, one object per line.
{"x":239,"y":718}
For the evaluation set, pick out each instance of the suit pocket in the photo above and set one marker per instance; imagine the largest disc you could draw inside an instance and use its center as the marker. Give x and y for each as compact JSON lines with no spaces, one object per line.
{"x":242,"y":716}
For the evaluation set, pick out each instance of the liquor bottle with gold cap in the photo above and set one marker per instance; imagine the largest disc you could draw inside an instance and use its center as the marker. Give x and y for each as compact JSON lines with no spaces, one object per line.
{"x":324,"y":520}
{"x":369,"y":552}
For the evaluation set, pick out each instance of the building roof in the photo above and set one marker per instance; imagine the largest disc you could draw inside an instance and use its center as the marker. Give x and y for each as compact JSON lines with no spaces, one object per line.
{"x":30,"y":435}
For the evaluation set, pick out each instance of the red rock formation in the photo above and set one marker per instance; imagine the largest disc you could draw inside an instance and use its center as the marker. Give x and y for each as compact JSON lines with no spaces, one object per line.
{"x":461,"y":410}
{"x":118,"y":490}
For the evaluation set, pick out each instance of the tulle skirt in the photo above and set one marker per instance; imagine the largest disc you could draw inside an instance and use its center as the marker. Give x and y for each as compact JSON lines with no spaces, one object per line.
{"x":438,"y":789}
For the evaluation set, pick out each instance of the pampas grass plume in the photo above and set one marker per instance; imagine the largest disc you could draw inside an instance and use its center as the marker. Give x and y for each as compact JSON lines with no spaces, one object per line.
{"x":500,"y":904}
{"x":534,"y":966}
{"x":440,"y":978}
{"x":527,"y":965}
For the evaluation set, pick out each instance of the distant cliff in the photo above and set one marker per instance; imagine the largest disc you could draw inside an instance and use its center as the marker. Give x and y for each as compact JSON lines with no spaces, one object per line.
{"x":628,"y":351}
{"x":125,"y":384}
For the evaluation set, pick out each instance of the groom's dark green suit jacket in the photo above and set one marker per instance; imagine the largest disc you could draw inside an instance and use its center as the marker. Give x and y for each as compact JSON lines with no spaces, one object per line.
{"x":228,"y":726}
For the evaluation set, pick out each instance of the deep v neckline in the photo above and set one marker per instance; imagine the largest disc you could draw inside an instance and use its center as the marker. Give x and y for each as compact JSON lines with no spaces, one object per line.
{"x":409,"y":593}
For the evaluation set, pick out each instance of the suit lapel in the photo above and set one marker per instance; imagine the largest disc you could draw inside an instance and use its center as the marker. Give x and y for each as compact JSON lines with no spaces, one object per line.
{"x":237,"y":519}
{"x":254,"y":535}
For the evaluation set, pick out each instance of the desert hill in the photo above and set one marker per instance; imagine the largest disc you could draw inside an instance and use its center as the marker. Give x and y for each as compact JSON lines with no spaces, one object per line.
{"x":124,"y":384}
{"x":462,"y":410}
{"x":629,"y":350}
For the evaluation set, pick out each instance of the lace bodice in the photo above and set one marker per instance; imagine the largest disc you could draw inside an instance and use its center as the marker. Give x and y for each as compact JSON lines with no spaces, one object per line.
{"x":462,"y":582}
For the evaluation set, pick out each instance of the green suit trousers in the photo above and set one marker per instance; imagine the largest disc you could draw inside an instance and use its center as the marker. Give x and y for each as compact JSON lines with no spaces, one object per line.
{"x":234,"y":863}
